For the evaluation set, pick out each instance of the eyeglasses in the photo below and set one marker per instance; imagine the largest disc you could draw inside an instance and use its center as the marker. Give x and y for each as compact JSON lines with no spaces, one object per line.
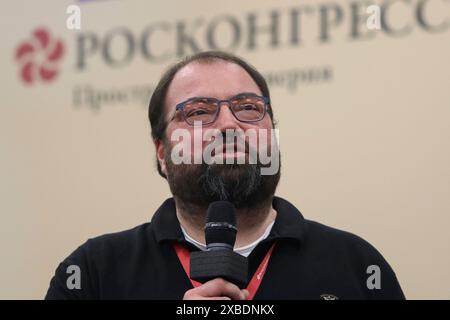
{"x":246,"y":107}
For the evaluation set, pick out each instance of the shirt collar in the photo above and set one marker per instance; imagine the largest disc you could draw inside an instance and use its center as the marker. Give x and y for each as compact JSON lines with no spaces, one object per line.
{"x":289,"y":223}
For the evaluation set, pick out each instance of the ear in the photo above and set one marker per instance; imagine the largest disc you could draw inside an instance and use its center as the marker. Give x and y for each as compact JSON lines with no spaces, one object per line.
{"x":160,"y":153}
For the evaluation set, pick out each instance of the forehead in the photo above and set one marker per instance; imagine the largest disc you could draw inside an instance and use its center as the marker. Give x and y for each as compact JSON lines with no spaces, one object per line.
{"x":219,"y":79}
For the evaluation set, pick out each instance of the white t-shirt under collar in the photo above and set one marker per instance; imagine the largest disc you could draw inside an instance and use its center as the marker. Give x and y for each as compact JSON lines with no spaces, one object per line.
{"x":243,"y":251}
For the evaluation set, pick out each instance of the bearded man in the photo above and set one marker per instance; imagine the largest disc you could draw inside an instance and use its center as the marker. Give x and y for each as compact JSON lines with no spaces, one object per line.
{"x":289,"y":257}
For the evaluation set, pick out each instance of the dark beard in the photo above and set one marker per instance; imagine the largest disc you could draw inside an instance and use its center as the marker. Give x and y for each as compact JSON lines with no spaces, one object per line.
{"x":200,"y":184}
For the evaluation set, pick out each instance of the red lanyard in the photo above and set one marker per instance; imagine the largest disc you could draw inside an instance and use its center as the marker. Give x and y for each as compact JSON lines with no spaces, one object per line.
{"x":185,"y":257}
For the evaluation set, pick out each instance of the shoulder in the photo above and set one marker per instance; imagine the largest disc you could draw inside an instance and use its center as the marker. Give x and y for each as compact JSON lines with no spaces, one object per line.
{"x":322,"y":237}
{"x":351,"y":256}
{"x":119,"y":243}
{"x":97,"y":259}
{"x":321,"y":232}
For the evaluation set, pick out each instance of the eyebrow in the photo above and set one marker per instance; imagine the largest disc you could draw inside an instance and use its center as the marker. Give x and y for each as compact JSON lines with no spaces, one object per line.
{"x":229,"y":97}
{"x":244,"y":94}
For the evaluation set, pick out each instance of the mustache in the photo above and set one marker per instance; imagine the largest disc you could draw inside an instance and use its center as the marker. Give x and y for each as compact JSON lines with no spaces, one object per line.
{"x":214,"y":147}
{"x":234,"y":143}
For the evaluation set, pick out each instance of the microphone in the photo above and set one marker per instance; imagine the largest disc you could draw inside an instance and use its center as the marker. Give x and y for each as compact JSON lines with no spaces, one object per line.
{"x":219,"y":260}
{"x":220,"y":228}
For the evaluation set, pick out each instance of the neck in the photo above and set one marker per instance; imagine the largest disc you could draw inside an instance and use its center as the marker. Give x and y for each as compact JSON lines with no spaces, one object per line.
{"x":250,"y":222}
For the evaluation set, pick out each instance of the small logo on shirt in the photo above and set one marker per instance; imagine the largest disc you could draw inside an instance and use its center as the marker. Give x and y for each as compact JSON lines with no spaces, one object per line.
{"x":328,"y":296}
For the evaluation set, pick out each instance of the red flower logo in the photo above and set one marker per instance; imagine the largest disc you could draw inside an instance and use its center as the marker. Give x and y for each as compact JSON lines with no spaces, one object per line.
{"x":39,"y":56}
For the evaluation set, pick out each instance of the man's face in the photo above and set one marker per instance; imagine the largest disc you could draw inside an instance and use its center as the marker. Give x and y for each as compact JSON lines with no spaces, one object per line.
{"x":202,"y":183}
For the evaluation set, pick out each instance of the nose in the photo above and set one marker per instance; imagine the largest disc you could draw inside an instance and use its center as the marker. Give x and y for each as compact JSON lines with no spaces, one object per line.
{"x":225,"y":118}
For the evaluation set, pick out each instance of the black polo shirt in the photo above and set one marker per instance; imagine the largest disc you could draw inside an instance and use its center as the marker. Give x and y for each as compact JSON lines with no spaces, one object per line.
{"x":310,"y":261}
